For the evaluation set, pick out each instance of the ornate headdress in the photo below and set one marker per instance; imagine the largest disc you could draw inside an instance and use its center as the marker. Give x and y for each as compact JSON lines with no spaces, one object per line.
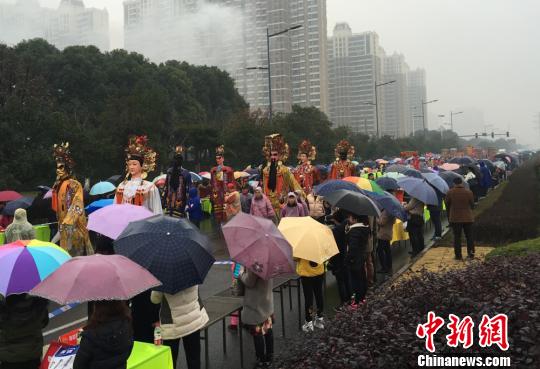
{"x":307,"y":148}
{"x":276,"y":142}
{"x":138,"y":149}
{"x":62,"y":154}
{"x":343,"y":147}
{"x":220,"y":150}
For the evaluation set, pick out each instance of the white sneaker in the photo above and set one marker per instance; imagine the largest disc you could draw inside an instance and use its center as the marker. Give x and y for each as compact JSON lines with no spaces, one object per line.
{"x":308,"y":327}
{"x":319,"y":323}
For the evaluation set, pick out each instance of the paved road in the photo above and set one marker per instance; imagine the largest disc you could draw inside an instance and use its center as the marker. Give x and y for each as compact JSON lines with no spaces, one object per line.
{"x":218,"y":279}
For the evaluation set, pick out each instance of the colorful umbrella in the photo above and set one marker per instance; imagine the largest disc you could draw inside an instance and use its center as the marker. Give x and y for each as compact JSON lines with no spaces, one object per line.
{"x":364,"y":184}
{"x":333,"y":185}
{"x":449,"y":166}
{"x":22,"y":203}
{"x":309,"y":239}
{"x":95,"y":278}
{"x":172,"y":249}
{"x":101,"y":188}
{"x":23,"y":264}
{"x":96,"y":205}
{"x":111,"y":220}
{"x":205,"y":175}
{"x":238,"y":175}
{"x":353,"y":202}
{"x":419,"y":189}
{"x":6,"y":196}
{"x":257,"y":244}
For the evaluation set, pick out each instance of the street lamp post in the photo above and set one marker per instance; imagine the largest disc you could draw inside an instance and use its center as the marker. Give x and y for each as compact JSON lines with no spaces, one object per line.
{"x":451,"y":119}
{"x":424,"y":114}
{"x":268,"y":37}
{"x":377,"y":85}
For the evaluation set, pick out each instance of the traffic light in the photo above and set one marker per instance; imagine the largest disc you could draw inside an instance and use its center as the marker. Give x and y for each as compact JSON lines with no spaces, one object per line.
{"x":492,"y":135}
{"x":507,"y":134}
{"x":476,"y":135}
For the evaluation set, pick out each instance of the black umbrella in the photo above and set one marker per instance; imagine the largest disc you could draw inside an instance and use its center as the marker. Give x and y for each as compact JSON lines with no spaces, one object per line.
{"x":413,"y":173}
{"x":115,"y":180}
{"x":387,"y":183}
{"x":449,"y":176}
{"x":464,"y":169}
{"x":462,"y":160}
{"x":172,"y":249}
{"x":353,"y":202}
{"x":396,"y":168}
{"x":41,"y":210}
{"x":11,"y":206}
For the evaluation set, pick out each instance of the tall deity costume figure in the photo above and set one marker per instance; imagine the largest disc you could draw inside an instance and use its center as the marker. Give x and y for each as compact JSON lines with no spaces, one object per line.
{"x":306,"y":174}
{"x":278,"y":180}
{"x":220,"y":177}
{"x":177,"y":186}
{"x":140,"y":160}
{"x":68,"y":203}
{"x":343,"y":167}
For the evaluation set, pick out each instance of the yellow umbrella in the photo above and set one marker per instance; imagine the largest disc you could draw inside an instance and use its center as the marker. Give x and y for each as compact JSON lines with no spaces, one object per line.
{"x":310,"y":240}
{"x":240,"y":175}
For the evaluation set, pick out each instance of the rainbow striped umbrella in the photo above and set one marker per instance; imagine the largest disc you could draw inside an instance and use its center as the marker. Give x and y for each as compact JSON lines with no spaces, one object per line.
{"x":24,"y":264}
{"x":365,"y":184}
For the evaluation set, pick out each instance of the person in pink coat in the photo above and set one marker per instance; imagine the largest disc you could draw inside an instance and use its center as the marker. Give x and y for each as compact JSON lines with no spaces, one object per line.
{"x":261,"y":205}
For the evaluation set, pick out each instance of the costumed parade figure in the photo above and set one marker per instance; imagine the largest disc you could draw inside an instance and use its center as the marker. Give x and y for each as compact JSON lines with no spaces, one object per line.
{"x":68,"y":203}
{"x":177,"y":186}
{"x":278,"y":180}
{"x":306,"y":174}
{"x":140,"y":160}
{"x":221,"y":176}
{"x":343,"y":167}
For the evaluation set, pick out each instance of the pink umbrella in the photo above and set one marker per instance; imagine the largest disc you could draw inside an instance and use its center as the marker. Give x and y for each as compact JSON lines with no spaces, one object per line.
{"x":95,"y":278}
{"x":449,"y":166}
{"x":9,"y":195}
{"x":48,"y":195}
{"x":111,"y":220}
{"x":257,"y":244}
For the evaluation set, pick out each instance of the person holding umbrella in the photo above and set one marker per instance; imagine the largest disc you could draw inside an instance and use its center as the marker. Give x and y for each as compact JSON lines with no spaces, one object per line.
{"x":107,"y":339}
{"x":415,"y":224}
{"x":385,"y":229}
{"x":358,"y":233}
{"x":460,"y":202}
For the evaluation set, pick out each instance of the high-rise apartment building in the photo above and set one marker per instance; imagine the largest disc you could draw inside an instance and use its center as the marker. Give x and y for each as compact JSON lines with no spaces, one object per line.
{"x":231,"y":34}
{"x":71,"y":24}
{"x":354,"y":67}
{"x":416,"y":81}
{"x":395,"y":108}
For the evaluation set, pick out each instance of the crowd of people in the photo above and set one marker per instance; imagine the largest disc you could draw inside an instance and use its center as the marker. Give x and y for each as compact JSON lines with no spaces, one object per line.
{"x":276,"y":191}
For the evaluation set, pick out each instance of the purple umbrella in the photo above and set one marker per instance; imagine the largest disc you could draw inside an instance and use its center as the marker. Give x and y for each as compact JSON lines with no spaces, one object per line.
{"x":111,"y":220}
{"x":257,"y":244}
{"x":95,"y":278}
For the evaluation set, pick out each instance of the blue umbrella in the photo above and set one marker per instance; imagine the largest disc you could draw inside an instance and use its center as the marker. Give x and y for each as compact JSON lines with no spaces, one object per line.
{"x":387,"y":183}
{"x":437,"y":182}
{"x":22,"y":203}
{"x":413,"y":173}
{"x":195,"y":177}
{"x":101,"y":188}
{"x":334,"y":185}
{"x":420,"y":189}
{"x":388,"y":202}
{"x":172,"y":249}
{"x":96,"y":205}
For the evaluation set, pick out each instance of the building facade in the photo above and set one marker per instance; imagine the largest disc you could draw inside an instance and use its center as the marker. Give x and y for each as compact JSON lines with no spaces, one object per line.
{"x":416,"y":81}
{"x":232,"y":34}
{"x":395,"y":107}
{"x":71,"y":24}
{"x":354,"y":67}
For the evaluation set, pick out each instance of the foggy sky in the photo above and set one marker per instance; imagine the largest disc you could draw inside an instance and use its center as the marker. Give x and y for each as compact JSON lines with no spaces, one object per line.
{"x":480,"y":56}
